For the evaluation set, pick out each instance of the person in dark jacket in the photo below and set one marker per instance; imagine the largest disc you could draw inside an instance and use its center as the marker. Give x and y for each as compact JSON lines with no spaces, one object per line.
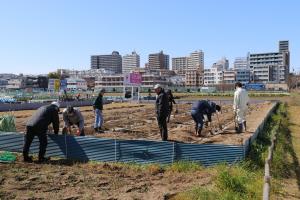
{"x":170,"y":101}
{"x":38,"y":126}
{"x":98,"y":107}
{"x":162,"y":111}
{"x":201,"y":108}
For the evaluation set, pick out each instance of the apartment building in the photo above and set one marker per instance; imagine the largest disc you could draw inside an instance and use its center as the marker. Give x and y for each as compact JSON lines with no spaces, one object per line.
{"x":158,"y":61}
{"x":193,"y":78}
{"x":271,"y":67}
{"x":130,"y":62}
{"x":112,"y":62}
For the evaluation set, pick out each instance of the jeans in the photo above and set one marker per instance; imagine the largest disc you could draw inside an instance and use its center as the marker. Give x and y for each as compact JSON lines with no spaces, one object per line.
{"x":198,"y":118}
{"x":98,"y":118}
{"x":30,"y":133}
{"x":162,"y":124}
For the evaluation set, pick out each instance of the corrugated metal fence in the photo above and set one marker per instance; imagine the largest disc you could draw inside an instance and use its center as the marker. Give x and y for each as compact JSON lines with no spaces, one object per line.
{"x":139,"y":151}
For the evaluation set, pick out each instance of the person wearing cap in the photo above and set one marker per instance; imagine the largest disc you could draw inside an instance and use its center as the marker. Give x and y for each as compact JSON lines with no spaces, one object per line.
{"x":98,"y":107}
{"x":162,"y":111}
{"x":201,"y":108}
{"x":38,"y":126}
{"x":73,"y":116}
{"x":240,"y":106}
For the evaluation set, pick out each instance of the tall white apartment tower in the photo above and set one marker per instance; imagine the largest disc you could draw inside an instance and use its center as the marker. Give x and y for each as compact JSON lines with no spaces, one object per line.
{"x":130,"y":61}
{"x":196,"y":60}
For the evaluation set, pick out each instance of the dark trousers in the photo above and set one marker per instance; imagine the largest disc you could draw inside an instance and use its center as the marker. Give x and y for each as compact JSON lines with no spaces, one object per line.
{"x":30,"y":133}
{"x":162,"y":124}
{"x":198,"y":118}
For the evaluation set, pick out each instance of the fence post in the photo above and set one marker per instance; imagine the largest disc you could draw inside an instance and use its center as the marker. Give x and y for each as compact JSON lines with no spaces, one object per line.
{"x":173,"y":153}
{"x":115,"y":150}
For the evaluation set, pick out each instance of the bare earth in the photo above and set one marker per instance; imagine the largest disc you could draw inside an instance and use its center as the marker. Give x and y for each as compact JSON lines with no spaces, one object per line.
{"x":69,"y":181}
{"x":137,"y":121}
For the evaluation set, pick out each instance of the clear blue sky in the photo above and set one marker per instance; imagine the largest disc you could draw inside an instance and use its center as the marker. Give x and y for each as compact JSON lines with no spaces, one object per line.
{"x":40,"y":36}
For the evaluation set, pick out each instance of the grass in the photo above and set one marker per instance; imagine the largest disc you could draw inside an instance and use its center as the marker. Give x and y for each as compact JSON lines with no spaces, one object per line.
{"x":245,"y":180}
{"x":236,"y":182}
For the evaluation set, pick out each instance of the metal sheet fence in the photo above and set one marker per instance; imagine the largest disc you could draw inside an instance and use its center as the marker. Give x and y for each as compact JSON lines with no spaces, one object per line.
{"x":138,"y":151}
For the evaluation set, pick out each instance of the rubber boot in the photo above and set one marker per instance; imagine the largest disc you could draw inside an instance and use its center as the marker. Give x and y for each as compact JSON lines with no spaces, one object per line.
{"x":240,"y":128}
{"x":96,"y":130}
{"x":100,"y":130}
{"x":245,"y":125}
{"x":199,"y":132}
{"x":28,"y":159}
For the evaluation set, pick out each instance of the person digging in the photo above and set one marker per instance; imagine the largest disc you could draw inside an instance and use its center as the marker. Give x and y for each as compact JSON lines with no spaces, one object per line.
{"x":72,"y":116}
{"x":37,"y":125}
{"x":201,"y":108}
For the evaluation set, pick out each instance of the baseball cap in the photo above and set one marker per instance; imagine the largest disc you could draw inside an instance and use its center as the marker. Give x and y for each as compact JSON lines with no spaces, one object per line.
{"x":157,"y":86}
{"x":55,"y":103}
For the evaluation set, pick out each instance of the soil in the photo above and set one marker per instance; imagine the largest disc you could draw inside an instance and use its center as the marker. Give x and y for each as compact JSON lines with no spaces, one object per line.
{"x":65,"y":180}
{"x":138,"y":121}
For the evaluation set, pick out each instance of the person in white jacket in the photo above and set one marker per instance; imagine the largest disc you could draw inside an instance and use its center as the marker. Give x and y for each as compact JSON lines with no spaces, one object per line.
{"x":240,"y":106}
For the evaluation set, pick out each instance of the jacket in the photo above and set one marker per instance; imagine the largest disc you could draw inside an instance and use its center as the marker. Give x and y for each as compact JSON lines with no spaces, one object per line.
{"x":241,"y":99}
{"x":76,"y":118}
{"x":43,"y":117}
{"x":98,"y":104}
{"x":162,"y":105}
{"x":204,"y":107}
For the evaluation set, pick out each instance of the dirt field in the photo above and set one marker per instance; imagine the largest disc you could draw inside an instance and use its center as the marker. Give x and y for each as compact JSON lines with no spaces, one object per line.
{"x":62,"y":180}
{"x":137,"y":121}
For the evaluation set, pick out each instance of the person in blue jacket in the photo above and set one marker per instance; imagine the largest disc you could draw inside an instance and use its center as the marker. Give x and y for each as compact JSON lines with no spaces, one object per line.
{"x":201,"y":108}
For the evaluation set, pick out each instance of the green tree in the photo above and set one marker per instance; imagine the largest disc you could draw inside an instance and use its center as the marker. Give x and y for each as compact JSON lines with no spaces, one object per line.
{"x":54,"y":75}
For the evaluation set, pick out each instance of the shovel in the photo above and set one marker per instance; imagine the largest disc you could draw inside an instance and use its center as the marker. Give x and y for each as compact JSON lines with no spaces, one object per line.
{"x":176,"y":111}
{"x":220,"y":126}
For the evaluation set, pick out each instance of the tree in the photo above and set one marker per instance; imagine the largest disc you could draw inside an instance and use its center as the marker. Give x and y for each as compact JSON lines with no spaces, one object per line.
{"x":54,"y":75}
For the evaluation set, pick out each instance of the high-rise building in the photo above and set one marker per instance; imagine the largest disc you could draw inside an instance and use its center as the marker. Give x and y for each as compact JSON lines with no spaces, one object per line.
{"x":180,"y":65}
{"x":271,"y":67}
{"x":158,"y":61}
{"x":241,"y":63}
{"x":222,"y":64}
{"x":196,"y":60}
{"x":130,"y":62}
{"x":193,"y":62}
{"x":111,"y":62}
{"x":284,"y":46}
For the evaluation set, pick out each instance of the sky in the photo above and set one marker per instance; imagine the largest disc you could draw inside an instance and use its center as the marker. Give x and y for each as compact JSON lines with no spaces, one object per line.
{"x":41,"y":36}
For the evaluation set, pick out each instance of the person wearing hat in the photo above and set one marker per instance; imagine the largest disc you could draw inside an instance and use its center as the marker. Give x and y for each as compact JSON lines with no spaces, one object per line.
{"x":162,"y":111}
{"x":38,"y":126}
{"x":201,"y":108}
{"x":73,"y":116}
{"x":98,"y":107}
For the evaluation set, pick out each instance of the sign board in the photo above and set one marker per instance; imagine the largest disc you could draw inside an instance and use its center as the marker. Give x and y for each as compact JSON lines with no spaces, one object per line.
{"x":63,"y":84}
{"x":133,"y":79}
{"x":56,"y":85}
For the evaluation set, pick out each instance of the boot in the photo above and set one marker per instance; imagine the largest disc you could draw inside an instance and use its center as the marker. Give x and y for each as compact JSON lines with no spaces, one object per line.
{"x":43,"y":159}
{"x":199,"y":132}
{"x":100,"y":130}
{"x":28,"y":159}
{"x":240,"y":128}
{"x":96,"y":129}
{"x":245,"y":125}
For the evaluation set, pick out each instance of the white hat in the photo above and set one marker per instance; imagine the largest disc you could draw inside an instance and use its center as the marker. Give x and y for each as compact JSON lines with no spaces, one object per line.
{"x":55,"y":103}
{"x":157,"y":86}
